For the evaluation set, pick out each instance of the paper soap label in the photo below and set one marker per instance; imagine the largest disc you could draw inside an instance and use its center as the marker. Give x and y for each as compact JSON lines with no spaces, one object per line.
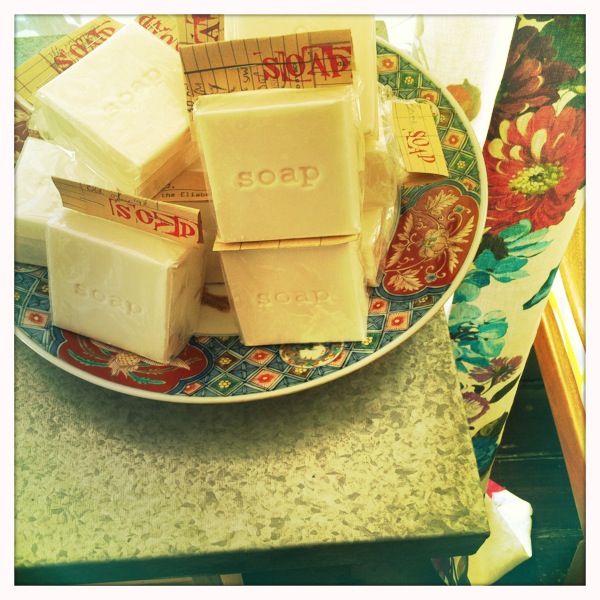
{"x":189,"y":186}
{"x":164,"y":27}
{"x":50,"y":62}
{"x":419,"y":142}
{"x":303,"y":60}
{"x":172,"y":221}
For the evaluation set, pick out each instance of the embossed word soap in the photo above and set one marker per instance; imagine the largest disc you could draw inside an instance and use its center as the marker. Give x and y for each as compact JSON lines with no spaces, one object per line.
{"x":122,"y":109}
{"x":362,"y":28}
{"x":36,"y":197}
{"x":299,"y":291}
{"x":282,"y":163}
{"x":122,"y":286}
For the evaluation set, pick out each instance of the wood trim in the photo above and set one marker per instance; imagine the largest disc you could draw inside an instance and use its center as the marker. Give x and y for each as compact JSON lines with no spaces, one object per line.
{"x":572,"y":270}
{"x":566,"y":403}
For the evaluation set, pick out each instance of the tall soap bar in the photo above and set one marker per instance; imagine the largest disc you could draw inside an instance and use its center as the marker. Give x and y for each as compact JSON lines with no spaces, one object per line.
{"x":122,"y":286}
{"x":36,"y":196}
{"x":122,"y":108}
{"x":362,"y":28}
{"x":300,"y":291}
{"x":282,"y":163}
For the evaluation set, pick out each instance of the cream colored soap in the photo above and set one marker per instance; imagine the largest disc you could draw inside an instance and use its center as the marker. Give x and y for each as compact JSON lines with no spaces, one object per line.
{"x":381,"y":174}
{"x":36,"y":196}
{"x":122,"y":108}
{"x":362,"y":28}
{"x":378,"y":226}
{"x":282,"y":163}
{"x":216,"y":315}
{"x":305,"y":293}
{"x":122,"y":286}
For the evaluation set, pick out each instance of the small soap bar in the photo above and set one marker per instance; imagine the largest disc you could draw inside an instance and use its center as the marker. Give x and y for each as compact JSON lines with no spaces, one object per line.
{"x":378,"y":225}
{"x":381,"y":174}
{"x":362,"y":28}
{"x":123,"y":109}
{"x":297,"y":292}
{"x":216,"y":315}
{"x":36,"y":196}
{"x":282,"y":163}
{"x":123,"y":286}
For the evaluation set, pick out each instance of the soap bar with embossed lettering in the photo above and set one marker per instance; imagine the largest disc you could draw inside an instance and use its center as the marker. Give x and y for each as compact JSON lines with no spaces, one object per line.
{"x":301,"y":291}
{"x":282,"y":163}
{"x":123,"y":286}
{"x":122,"y":109}
{"x":362,"y":28}
{"x":36,"y":196}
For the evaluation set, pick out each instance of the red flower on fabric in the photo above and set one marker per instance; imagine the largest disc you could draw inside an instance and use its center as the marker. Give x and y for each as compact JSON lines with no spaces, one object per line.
{"x":532,"y":77}
{"x":535,"y":167}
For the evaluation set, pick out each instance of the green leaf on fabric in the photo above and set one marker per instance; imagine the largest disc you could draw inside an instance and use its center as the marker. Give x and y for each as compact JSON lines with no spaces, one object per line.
{"x":568,"y":32}
{"x":508,"y":277}
{"x":543,"y":291}
{"x":478,"y":278}
{"x":514,"y":232}
{"x":464,"y":312}
{"x":490,"y":348}
{"x":501,"y":393}
{"x":467,"y":292}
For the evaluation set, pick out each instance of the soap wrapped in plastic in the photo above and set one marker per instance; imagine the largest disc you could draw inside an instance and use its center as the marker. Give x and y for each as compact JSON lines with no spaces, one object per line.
{"x":122,"y":286}
{"x":36,"y":196}
{"x":122,"y":110}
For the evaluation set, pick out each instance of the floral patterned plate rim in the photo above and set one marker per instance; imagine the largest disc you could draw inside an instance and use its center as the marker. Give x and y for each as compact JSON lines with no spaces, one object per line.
{"x":435,"y":241}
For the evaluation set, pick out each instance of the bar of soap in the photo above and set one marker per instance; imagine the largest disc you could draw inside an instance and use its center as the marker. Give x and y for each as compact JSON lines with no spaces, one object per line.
{"x":378,"y":225}
{"x":362,"y":28}
{"x":305,"y":291}
{"x":36,"y":196}
{"x":216,"y":317}
{"x":123,"y":109}
{"x":282,"y":163}
{"x":381,"y":174}
{"x":122,"y":286}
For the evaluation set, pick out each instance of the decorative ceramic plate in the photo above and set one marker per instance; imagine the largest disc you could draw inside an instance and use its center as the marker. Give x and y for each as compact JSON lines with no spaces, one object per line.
{"x":436,"y":238}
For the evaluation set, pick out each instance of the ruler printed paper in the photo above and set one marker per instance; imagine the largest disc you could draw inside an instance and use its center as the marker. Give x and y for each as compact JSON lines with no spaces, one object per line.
{"x":171,"y":221}
{"x":304,"y":60}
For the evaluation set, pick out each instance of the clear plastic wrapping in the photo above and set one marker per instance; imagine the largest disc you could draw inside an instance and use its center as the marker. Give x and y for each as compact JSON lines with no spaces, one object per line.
{"x":382,"y":177}
{"x":36,"y":197}
{"x":122,"y":110}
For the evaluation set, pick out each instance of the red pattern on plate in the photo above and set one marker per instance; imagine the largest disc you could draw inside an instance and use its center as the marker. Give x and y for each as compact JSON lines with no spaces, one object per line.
{"x":431,"y":241}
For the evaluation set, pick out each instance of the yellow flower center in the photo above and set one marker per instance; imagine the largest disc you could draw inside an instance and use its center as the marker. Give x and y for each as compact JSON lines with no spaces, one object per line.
{"x":537,"y":180}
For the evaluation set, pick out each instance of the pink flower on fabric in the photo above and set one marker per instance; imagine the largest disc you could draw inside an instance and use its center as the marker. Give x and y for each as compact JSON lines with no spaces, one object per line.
{"x":499,"y":370}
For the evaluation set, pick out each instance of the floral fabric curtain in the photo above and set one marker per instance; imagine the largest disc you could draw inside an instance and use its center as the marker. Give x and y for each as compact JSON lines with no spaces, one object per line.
{"x":535,"y":160}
